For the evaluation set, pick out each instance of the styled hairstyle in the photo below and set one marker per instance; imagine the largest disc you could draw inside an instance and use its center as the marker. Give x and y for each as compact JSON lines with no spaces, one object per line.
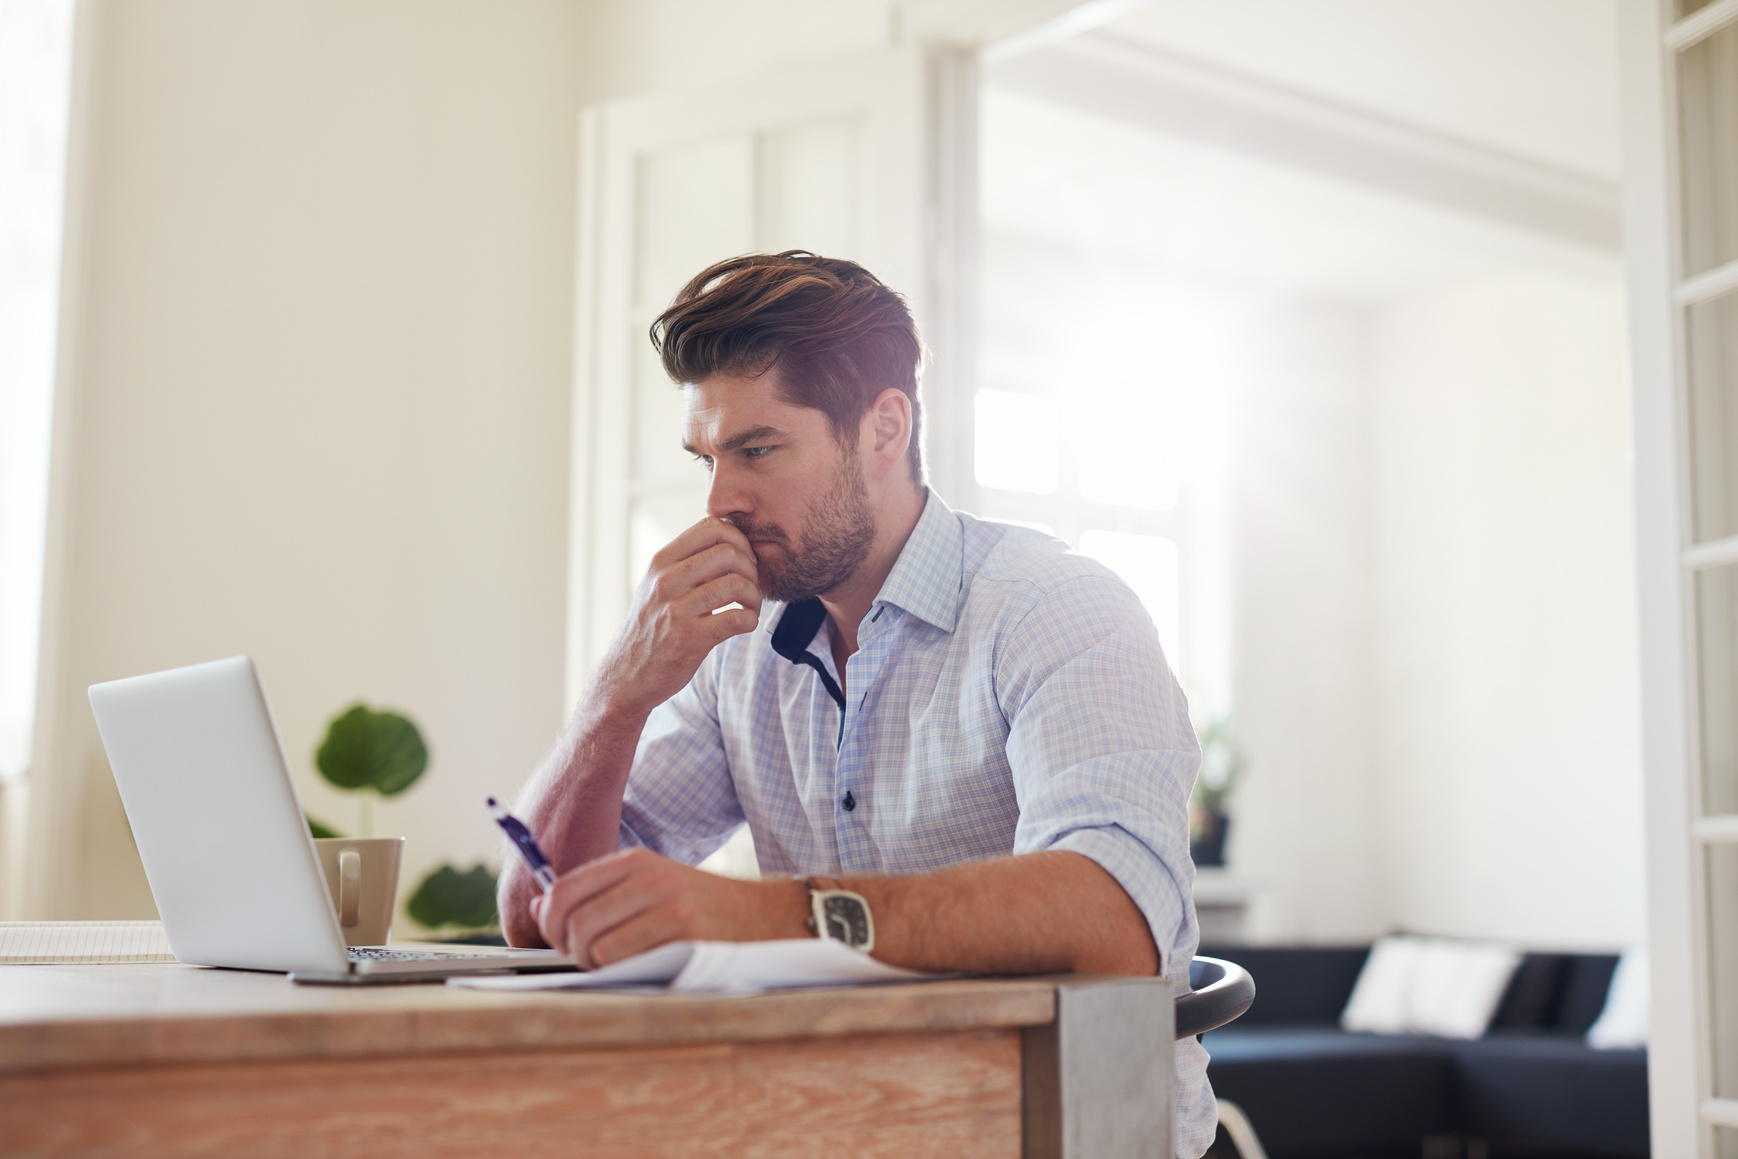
{"x":836,"y":335}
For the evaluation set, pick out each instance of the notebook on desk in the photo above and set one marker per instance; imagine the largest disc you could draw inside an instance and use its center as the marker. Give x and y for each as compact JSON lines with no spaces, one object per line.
{"x":221,"y":833}
{"x":82,"y":943}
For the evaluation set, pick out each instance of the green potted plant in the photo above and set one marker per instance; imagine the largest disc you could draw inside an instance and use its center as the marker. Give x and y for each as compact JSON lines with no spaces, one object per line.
{"x":461,"y":905}
{"x":1221,"y":767}
{"x":373,"y":754}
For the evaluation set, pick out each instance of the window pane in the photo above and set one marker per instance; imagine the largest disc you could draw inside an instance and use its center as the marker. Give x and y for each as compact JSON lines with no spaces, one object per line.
{"x":1713,"y":371}
{"x":1685,"y":7}
{"x":1725,"y":1143}
{"x":1015,"y":442}
{"x":1147,"y":564}
{"x":35,"y":59}
{"x":1127,"y":429}
{"x":1717,"y":648}
{"x":1708,"y":111}
{"x":1722,"y":883}
{"x":1119,"y":465}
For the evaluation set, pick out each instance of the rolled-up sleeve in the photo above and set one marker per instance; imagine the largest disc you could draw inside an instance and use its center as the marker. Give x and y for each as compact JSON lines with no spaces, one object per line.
{"x":1102,"y":751}
{"x":1104,"y":758}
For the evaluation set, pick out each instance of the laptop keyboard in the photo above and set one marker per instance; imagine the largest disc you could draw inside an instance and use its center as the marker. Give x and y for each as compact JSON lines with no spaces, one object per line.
{"x":369,"y":954}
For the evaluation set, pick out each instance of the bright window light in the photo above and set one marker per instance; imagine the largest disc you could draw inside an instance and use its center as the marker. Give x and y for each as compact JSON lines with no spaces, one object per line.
{"x":1147,"y":564}
{"x":35,"y":66}
{"x":1128,"y":423}
{"x":1122,"y":464}
{"x":1015,"y":440}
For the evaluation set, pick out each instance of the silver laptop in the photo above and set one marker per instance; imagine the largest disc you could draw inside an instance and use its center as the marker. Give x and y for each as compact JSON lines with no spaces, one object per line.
{"x":208,"y":793}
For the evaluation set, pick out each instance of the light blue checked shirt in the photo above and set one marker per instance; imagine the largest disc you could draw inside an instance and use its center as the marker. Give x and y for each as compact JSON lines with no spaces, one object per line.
{"x":1007,"y":696}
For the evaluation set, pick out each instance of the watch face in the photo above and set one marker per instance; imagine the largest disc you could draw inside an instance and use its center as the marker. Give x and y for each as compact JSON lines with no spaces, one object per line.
{"x":847,"y":919}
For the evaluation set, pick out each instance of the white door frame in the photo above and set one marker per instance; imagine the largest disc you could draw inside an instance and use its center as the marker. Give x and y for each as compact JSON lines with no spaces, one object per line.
{"x":1680,"y":1050}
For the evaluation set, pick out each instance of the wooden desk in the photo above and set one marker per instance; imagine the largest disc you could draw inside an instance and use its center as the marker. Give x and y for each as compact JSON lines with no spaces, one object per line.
{"x":148,"y":1060}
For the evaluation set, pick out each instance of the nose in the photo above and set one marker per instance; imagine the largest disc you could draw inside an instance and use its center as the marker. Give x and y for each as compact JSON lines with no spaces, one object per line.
{"x":726,"y":495}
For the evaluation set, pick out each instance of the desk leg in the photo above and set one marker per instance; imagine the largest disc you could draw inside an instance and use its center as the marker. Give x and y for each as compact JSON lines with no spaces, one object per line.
{"x":1098,"y":1082}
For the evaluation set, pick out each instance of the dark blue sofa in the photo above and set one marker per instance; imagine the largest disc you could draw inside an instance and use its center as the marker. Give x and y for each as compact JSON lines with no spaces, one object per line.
{"x":1530,"y":1087}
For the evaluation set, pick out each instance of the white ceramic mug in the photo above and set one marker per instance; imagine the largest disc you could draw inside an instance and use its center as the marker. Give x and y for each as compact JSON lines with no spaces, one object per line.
{"x":362,"y":877}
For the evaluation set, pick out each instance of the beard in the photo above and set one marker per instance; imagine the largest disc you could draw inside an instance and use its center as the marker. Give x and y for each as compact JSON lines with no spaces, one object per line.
{"x":834,"y":545}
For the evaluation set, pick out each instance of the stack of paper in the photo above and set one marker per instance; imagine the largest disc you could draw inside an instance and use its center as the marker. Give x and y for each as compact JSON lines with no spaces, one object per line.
{"x":73,"y":943}
{"x":717,"y":967}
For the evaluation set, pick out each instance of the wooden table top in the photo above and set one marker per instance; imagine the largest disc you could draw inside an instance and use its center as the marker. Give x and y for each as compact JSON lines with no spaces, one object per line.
{"x":54,"y":1017}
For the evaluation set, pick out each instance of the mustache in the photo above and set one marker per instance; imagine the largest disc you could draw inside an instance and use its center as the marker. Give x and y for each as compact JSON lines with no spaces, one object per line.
{"x":764,"y":531}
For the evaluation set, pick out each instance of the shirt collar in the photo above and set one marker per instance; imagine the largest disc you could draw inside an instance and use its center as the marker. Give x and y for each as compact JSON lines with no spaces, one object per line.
{"x":926,"y":581}
{"x":927,"y":577}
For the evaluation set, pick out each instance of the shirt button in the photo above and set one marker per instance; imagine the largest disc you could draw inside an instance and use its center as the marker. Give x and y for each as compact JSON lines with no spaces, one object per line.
{"x":849,"y":802}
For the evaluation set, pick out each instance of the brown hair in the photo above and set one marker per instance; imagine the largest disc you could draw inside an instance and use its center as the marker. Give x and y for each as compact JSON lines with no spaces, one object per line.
{"x":837,"y":335}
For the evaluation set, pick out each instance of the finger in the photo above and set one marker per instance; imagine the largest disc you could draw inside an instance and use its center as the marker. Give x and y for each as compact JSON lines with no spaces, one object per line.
{"x":605,"y":912}
{"x":671,"y":582}
{"x":726,"y":589}
{"x":698,"y":538}
{"x":645,"y":931}
{"x":719,"y":559}
{"x":733,"y":622}
{"x":572,"y":890}
{"x":730,"y":533}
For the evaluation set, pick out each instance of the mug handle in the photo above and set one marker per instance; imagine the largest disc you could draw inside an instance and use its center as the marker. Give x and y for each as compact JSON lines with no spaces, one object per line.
{"x":349,"y":888}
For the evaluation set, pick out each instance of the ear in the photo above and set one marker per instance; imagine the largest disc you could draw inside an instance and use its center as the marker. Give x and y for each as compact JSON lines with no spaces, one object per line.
{"x":886,"y":432}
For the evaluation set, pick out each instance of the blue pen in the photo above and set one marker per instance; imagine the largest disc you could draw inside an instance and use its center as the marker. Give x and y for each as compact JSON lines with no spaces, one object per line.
{"x":524,"y":843}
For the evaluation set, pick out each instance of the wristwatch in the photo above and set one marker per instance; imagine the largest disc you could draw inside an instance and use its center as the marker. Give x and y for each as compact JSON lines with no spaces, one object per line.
{"x":839,"y":914}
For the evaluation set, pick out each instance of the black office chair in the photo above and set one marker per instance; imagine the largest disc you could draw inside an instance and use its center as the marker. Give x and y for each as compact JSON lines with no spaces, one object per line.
{"x":1220,"y":991}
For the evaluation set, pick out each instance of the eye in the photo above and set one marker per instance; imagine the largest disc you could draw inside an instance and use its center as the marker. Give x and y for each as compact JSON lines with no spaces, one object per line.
{"x":754,"y":452}
{"x":704,"y":460}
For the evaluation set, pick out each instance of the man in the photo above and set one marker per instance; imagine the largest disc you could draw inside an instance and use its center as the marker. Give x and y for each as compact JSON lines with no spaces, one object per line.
{"x":966,"y":735}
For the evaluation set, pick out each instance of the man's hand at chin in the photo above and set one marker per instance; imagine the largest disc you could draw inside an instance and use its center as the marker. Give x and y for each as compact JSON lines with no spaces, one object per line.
{"x":635,"y":900}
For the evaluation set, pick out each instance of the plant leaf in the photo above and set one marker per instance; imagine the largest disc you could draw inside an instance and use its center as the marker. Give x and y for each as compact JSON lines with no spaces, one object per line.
{"x":365,"y":749}
{"x":320,"y":828}
{"x":447,"y":897}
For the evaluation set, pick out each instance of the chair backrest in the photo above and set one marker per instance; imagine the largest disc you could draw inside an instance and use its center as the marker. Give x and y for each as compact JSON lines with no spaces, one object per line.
{"x":1300,"y":985}
{"x":1218,"y":992}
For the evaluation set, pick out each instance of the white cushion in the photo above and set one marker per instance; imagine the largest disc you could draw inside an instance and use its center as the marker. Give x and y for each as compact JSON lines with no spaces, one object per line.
{"x":1441,"y":986}
{"x":1623,"y":1022}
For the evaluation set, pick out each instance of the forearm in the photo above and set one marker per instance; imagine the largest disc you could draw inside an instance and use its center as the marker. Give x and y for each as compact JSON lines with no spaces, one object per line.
{"x":573,"y":805}
{"x":1049,"y":912}
{"x":700,"y":590}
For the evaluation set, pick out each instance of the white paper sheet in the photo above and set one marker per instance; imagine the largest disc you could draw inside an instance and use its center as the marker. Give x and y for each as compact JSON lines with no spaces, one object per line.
{"x":717,"y":968}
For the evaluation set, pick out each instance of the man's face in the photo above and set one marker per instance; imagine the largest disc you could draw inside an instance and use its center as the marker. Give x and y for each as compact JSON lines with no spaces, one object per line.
{"x":781,"y":477}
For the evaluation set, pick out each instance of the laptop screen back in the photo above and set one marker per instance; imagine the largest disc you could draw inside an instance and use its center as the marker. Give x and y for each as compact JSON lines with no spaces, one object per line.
{"x":220,"y":830}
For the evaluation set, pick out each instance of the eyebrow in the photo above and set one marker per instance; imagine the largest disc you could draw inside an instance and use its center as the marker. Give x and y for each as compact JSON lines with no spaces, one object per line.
{"x":740,"y":439}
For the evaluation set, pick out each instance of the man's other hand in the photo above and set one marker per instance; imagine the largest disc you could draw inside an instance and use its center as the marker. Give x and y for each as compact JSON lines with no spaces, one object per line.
{"x":675,"y":622}
{"x":635,"y":900}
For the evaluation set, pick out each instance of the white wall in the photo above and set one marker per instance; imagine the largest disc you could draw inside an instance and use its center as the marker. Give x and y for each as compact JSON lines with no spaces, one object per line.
{"x":1508,"y":726}
{"x":316,"y":404}
{"x":665,"y":45}
{"x":1304,"y":830}
{"x":1436,"y":672}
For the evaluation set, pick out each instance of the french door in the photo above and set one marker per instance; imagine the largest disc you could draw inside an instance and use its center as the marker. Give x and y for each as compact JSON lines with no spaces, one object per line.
{"x":1681,"y":102}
